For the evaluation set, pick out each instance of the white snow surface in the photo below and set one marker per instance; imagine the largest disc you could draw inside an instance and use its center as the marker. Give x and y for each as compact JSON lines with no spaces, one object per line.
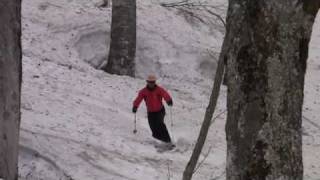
{"x":76,"y":120}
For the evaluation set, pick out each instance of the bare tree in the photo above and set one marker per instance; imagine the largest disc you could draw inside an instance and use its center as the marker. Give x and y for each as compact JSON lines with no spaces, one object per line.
{"x":265,"y":64}
{"x":202,"y":11}
{"x":10,"y":86}
{"x":190,"y":168}
{"x":123,"y":38}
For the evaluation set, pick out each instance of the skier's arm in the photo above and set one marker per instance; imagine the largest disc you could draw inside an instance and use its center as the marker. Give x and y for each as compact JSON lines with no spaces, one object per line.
{"x":166,"y":97}
{"x":137,"y":102}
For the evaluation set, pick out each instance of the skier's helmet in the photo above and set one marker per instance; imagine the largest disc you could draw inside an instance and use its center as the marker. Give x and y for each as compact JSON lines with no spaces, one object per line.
{"x":151,"y":78}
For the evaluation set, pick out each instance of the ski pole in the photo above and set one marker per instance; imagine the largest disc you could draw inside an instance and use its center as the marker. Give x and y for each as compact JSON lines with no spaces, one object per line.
{"x":135,"y":124}
{"x":171,"y":126}
{"x":171,"y":117}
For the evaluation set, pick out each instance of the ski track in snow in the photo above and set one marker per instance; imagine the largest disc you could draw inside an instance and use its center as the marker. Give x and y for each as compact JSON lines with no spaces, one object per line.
{"x":77,"y":122}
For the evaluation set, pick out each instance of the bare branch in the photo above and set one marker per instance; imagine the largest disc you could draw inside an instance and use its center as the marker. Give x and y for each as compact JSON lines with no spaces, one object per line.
{"x":217,"y":116}
{"x":174,"y":4}
{"x":189,"y":7}
{"x":217,"y":16}
{"x":193,"y":15}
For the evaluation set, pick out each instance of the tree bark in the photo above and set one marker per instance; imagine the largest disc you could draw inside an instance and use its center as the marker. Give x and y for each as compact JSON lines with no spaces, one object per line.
{"x":266,"y":64}
{"x":123,"y":38}
{"x":10,"y":86}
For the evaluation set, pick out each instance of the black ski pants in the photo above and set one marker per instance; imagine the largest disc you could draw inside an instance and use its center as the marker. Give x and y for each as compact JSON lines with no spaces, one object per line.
{"x":157,"y":126}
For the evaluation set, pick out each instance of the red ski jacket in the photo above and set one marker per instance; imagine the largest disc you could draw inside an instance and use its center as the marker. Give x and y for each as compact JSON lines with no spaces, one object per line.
{"x":152,"y":98}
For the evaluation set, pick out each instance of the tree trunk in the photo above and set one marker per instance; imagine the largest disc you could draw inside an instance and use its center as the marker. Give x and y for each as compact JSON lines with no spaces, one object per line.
{"x":266,"y":64}
{"x":123,"y":38}
{"x":10,"y":87}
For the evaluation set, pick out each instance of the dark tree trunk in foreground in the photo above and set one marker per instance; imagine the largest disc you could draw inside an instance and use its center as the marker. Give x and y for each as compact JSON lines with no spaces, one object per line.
{"x":10,"y":85}
{"x":123,"y":38}
{"x":266,"y":64}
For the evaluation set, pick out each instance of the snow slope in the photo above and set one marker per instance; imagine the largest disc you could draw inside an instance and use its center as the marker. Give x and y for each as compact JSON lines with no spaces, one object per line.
{"x":311,"y":109}
{"x":77,"y":122}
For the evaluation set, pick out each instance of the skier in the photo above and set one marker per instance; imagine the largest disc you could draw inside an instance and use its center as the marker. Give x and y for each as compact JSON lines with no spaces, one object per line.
{"x":153,"y":94}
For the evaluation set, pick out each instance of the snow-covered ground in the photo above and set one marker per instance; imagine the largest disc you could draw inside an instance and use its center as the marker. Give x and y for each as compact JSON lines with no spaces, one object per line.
{"x":77,"y":122}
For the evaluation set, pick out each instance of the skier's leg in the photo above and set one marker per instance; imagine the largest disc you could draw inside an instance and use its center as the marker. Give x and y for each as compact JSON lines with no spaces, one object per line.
{"x":163,"y":128}
{"x":154,"y":124}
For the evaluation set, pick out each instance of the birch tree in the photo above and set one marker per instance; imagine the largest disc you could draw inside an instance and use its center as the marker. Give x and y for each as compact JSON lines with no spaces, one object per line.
{"x":10,"y":85}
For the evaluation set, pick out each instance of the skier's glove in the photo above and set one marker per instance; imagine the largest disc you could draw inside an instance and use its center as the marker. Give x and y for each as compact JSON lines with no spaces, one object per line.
{"x":170,"y":103}
{"x":134,"y":109}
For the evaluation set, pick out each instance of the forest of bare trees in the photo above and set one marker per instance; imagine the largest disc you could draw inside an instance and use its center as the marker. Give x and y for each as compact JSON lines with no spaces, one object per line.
{"x":263,"y":58}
